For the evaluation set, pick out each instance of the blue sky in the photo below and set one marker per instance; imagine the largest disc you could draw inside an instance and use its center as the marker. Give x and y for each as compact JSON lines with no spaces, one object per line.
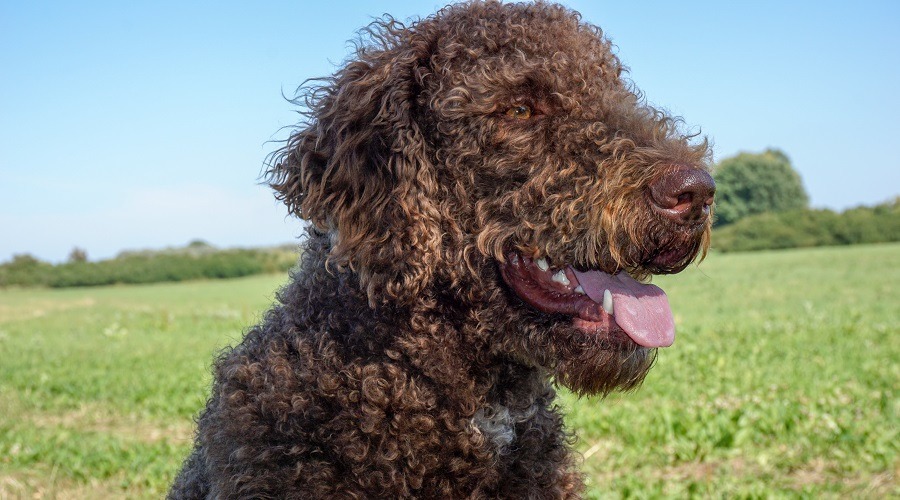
{"x":145,"y":124}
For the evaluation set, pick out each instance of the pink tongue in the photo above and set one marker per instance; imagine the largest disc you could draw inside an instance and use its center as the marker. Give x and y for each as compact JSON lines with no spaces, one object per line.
{"x":642,"y":311}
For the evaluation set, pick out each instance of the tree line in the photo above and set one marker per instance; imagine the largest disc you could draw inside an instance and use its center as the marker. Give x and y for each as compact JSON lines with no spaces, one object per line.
{"x":761,"y":204}
{"x":196,"y":261}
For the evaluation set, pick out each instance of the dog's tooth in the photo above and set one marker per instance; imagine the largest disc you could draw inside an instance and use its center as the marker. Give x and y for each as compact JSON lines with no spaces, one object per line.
{"x":542,"y":264}
{"x":560,"y":277}
{"x":607,"y":302}
{"x":580,"y":290}
{"x":514,"y":259}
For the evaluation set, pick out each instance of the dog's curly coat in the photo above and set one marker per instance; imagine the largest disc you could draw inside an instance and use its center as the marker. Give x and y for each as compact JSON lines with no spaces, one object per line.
{"x":407,"y":357}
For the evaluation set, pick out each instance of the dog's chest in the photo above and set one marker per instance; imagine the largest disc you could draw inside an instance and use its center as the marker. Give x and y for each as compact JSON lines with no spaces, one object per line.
{"x":499,"y":423}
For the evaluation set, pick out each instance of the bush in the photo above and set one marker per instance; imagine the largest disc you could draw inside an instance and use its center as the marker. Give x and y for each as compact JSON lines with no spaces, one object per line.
{"x":25,"y":270}
{"x":810,"y":228}
{"x":148,"y":267}
{"x":749,"y":184}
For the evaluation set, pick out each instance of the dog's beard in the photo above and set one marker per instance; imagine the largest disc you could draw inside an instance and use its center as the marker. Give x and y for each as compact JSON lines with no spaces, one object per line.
{"x":603,"y":364}
{"x":583,"y":362}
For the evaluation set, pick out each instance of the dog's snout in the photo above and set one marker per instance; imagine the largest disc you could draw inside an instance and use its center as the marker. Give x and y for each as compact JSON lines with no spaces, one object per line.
{"x":683,"y":195}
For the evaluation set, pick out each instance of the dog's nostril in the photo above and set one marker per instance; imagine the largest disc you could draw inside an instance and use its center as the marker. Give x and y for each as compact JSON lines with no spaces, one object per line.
{"x":683,"y":195}
{"x":685,"y":199}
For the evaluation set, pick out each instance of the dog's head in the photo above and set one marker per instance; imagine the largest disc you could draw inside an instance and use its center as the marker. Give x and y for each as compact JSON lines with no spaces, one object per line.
{"x":494,"y":153}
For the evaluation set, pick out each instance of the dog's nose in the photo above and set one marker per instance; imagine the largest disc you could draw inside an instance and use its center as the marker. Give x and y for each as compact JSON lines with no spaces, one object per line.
{"x":683,"y":195}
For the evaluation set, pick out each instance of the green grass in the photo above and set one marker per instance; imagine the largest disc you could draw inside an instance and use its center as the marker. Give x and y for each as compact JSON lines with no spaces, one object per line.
{"x":782,"y":383}
{"x":98,"y":385}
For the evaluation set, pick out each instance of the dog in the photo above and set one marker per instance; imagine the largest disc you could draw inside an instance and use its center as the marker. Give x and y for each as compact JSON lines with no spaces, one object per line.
{"x":486,"y":198}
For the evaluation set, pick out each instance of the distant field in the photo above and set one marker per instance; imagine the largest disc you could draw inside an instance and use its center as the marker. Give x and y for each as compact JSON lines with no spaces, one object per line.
{"x":782,"y":382}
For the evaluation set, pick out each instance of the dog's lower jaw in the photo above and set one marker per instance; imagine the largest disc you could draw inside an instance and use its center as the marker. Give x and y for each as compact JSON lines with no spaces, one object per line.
{"x":603,"y":372}
{"x":590,"y":364}
{"x":585,"y":363}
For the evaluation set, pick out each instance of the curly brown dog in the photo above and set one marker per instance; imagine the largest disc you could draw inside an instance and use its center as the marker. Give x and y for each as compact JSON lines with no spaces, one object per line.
{"x":487,"y":197}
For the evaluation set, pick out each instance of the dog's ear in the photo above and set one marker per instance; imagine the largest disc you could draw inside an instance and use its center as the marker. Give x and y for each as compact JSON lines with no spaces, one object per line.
{"x":359,"y":169}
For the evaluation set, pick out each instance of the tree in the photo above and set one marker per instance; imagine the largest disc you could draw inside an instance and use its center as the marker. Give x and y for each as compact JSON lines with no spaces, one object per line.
{"x":78,"y":255}
{"x":749,"y":184}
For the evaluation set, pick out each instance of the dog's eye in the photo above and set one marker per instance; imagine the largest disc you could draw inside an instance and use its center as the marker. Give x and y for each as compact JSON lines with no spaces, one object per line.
{"x":519,"y":112}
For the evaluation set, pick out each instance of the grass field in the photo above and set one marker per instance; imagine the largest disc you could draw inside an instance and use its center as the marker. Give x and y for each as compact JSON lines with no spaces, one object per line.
{"x":782,"y":383}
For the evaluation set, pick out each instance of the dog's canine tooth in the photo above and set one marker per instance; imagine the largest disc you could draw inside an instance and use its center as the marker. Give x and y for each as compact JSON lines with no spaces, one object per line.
{"x":560,"y":277}
{"x":579,"y":289}
{"x":542,"y":264}
{"x":607,"y":302}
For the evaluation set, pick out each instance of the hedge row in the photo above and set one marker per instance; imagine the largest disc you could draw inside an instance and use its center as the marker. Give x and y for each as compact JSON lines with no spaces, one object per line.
{"x":811,"y":228}
{"x":25,"y":270}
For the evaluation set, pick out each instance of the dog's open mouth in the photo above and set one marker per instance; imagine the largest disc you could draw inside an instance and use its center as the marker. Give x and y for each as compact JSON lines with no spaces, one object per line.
{"x":598,"y":302}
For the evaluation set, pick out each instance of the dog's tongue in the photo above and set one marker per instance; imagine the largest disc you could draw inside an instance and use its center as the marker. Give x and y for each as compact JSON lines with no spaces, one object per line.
{"x":642,"y":311}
